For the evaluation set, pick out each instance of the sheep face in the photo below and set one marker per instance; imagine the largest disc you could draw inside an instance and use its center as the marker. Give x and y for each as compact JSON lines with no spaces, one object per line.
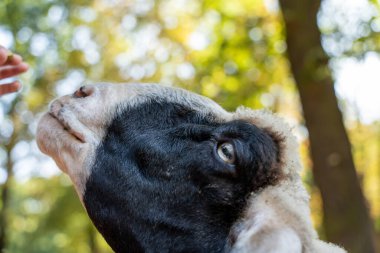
{"x":158,"y":168}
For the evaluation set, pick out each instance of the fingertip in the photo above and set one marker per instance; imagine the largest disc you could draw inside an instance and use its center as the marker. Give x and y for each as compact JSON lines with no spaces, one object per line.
{"x":15,"y":59}
{"x":13,"y":70}
{"x":24,"y":66}
{"x":9,"y":88}
{"x":17,"y":85}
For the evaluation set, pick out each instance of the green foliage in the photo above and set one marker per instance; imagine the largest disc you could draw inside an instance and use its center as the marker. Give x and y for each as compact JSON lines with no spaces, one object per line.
{"x":231,"y":51}
{"x":64,"y":226}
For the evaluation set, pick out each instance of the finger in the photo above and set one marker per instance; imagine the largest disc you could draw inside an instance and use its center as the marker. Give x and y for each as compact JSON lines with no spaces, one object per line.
{"x":9,"y":87}
{"x":3,"y":55}
{"x":11,"y":59}
{"x":9,"y":70}
{"x":14,"y":59}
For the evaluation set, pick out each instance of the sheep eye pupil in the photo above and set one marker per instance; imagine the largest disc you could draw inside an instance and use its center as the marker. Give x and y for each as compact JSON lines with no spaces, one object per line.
{"x":226,"y":152}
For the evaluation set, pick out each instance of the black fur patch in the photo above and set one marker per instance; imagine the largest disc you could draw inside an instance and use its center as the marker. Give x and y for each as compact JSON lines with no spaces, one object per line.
{"x":158,"y":185}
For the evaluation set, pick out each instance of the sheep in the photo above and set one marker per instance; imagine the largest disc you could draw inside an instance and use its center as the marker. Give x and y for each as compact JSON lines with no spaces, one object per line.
{"x":161,"y":169}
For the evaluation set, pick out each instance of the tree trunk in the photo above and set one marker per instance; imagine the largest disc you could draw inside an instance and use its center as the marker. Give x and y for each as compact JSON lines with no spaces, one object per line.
{"x":346,"y":218}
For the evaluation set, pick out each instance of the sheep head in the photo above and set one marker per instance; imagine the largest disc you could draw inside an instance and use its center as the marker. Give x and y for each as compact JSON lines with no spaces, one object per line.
{"x":163,"y":169}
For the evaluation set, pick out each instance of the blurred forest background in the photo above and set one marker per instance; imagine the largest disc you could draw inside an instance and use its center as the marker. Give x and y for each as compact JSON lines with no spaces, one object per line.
{"x":282,"y":55}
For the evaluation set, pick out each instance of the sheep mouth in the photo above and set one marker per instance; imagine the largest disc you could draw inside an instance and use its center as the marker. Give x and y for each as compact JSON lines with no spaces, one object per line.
{"x":78,"y":136}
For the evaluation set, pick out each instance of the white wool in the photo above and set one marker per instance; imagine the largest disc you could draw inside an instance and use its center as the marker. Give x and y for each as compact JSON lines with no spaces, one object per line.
{"x":278,"y":217}
{"x":267,"y":120}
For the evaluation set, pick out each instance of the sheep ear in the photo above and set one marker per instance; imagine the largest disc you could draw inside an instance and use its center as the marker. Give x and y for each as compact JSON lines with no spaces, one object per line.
{"x":277,"y":218}
{"x":269,"y":239}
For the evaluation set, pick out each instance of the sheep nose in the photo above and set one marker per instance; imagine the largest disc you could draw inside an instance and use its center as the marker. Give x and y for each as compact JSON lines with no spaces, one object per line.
{"x":84,"y":91}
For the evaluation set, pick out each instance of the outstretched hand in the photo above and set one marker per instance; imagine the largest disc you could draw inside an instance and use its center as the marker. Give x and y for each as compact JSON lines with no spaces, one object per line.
{"x":10,"y":65}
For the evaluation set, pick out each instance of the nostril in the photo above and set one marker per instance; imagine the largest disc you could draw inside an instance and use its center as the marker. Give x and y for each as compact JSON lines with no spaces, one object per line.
{"x":83,"y":92}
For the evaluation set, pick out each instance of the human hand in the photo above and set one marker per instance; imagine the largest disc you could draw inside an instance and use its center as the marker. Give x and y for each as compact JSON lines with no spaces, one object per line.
{"x":10,"y":65}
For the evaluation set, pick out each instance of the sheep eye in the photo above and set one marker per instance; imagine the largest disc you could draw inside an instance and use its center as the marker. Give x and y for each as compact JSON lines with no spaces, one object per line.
{"x":226,"y":152}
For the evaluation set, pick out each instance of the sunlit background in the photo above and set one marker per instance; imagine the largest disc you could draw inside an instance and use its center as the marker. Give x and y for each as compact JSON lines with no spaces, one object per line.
{"x":231,"y":51}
